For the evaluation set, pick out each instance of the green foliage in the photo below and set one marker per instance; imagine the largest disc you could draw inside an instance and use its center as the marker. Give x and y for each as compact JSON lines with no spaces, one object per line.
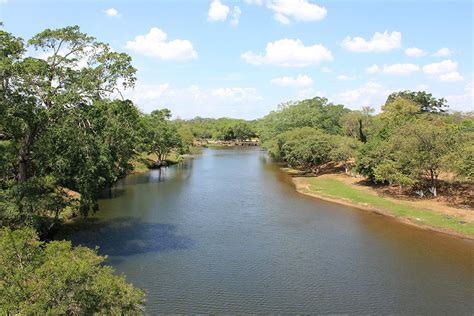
{"x":358,"y":124}
{"x":160,"y":134}
{"x":316,"y":113}
{"x":224,"y":129}
{"x":425,"y":101}
{"x":304,"y":147}
{"x":344,"y":151}
{"x":60,"y":126}
{"x":55,"y":278}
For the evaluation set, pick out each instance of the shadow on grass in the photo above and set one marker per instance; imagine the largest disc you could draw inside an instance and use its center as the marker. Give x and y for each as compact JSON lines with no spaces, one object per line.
{"x":125,"y":236}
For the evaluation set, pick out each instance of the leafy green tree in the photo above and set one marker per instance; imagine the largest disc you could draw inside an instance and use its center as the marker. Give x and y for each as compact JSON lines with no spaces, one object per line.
{"x":306,"y":148}
{"x":357,"y":124}
{"x":425,"y":101}
{"x":160,"y":134}
{"x":317,"y":113}
{"x":344,"y":151}
{"x":372,"y":154}
{"x":54,"y":278}
{"x":399,"y":112}
{"x":391,"y":172}
{"x":423,"y":146}
{"x":186,"y":136}
{"x":49,"y":117}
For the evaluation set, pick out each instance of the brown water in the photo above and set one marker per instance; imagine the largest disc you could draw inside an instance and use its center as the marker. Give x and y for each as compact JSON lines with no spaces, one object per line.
{"x":226,"y":232}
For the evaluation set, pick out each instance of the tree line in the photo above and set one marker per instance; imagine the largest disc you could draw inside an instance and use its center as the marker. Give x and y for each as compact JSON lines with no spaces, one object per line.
{"x":409,"y":143}
{"x":223,"y":129}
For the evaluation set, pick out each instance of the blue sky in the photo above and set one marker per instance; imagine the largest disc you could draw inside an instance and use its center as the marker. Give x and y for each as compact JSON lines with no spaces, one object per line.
{"x":242,"y":58}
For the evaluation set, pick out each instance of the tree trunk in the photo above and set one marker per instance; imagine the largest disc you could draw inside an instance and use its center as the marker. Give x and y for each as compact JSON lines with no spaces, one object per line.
{"x":158,"y":159}
{"x":434,"y":178}
{"x":24,"y":157}
{"x":362,"y":136}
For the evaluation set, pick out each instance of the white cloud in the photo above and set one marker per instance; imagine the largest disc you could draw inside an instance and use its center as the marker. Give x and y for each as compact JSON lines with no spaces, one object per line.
{"x":451,"y":77}
{"x":236,"y":12}
{"x":441,"y":68}
{"x":217,"y":11}
{"x":112,"y":12}
{"x":345,"y":78}
{"x":370,"y":94}
{"x":256,"y":2}
{"x":299,"y":10}
{"x":289,"y":53}
{"x":443,"y":52}
{"x":326,"y":70}
{"x":372,"y":69}
{"x":400,"y":69}
{"x":415,"y":52}
{"x":154,"y":44}
{"x":299,"y":81}
{"x":196,"y":101}
{"x":445,"y":71}
{"x":393,"y":69}
{"x":380,"y":42}
{"x":464,"y":101}
{"x":309,"y":93}
{"x":281,"y":18}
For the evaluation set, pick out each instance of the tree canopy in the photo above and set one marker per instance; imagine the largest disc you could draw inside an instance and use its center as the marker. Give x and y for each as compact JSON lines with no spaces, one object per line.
{"x":56,"y":278}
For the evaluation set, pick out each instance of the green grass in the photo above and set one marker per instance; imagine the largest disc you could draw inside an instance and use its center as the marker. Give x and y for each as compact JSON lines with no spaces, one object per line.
{"x":144,"y":161}
{"x":339,"y":189}
{"x":214,"y":145}
{"x":292,"y":171}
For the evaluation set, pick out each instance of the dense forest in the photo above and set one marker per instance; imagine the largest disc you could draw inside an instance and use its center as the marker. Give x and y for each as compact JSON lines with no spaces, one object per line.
{"x":66,"y":134}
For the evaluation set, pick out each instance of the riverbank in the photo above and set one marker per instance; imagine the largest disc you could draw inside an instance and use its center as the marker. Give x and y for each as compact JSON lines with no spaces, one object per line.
{"x":145,"y":162}
{"x":426,"y":214}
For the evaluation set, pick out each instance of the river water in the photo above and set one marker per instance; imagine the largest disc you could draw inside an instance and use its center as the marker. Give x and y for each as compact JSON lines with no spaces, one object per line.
{"x":226,"y":232}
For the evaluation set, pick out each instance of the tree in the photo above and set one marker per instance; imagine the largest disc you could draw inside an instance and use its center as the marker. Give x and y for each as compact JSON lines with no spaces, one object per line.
{"x":399,"y":112}
{"x":344,"y":151}
{"x":306,"y":148}
{"x":423,"y":146}
{"x":392,"y":172}
{"x":48,"y":101}
{"x":425,"y":101}
{"x":358,"y":123}
{"x":56,"y":278}
{"x":317,"y":113}
{"x":160,"y":135}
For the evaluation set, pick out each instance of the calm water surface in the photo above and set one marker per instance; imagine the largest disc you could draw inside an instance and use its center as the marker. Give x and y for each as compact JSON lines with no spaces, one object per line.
{"x":226,"y":232}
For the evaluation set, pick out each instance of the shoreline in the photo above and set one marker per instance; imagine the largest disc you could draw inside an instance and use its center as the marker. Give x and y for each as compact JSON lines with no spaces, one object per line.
{"x":302,"y":186}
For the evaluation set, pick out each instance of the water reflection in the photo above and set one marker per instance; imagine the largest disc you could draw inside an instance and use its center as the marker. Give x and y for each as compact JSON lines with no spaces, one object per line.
{"x":126,"y":236}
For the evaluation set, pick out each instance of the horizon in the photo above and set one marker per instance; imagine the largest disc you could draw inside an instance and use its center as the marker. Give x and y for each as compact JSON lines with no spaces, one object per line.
{"x":221,"y":62}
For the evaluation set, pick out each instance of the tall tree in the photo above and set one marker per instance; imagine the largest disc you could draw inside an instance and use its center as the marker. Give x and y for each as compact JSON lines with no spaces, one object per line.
{"x":43,"y":98}
{"x":425,"y":100}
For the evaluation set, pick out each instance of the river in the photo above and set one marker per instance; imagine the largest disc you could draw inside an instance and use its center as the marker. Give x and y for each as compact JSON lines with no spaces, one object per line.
{"x":226,"y":232}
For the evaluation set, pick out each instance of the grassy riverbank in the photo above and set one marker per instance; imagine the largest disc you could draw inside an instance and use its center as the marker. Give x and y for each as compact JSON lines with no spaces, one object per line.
{"x":426,"y":214}
{"x":144,"y":162}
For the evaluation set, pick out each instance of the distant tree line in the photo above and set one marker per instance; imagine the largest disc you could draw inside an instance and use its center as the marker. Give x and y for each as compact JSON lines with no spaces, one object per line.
{"x":224,"y":129}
